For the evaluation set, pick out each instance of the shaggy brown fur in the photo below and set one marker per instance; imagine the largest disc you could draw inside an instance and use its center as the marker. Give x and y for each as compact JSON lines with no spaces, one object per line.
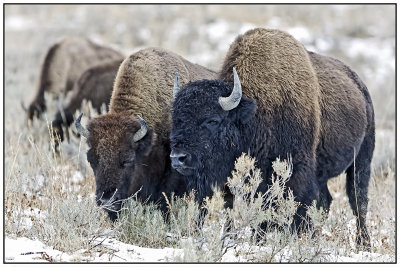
{"x":64,"y":63}
{"x":95,"y":85}
{"x":144,"y":98}
{"x":323,"y":99}
{"x":275,"y":70}
{"x":144,"y":85}
{"x":347,"y":133}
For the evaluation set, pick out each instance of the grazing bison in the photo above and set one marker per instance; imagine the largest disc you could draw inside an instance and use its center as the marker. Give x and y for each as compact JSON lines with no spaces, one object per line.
{"x":95,"y":84}
{"x":126,"y":155}
{"x":63,"y":65}
{"x":288,"y":101}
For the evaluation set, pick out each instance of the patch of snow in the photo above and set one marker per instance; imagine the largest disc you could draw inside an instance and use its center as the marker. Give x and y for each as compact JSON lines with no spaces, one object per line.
{"x":274,"y":23}
{"x":342,"y":8}
{"x":246,"y":27}
{"x":26,"y":250}
{"x":26,"y":216}
{"x":323,"y":45}
{"x":131,"y":253}
{"x":364,"y":256}
{"x":223,"y":33}
{"x":217,"y":30}
{"x":109,"y":250}
{"x":144,"y":34}
{"x":301,"y":33}
{"x":370,"y":48}
{"x":121,"y":27}
{"x":77,"y":177}
{"x":18,"y":23}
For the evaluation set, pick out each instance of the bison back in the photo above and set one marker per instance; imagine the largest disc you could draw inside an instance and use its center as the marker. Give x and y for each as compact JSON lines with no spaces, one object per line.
{"x":275,"y":70}
{"x":144,"y":85}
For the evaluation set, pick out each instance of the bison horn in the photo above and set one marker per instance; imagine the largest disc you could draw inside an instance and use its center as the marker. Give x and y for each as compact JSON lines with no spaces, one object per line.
{"x":142,"y":131}
{"x":232,"y":101}
{"x":176,"y":85}
{"x":81,"y":130}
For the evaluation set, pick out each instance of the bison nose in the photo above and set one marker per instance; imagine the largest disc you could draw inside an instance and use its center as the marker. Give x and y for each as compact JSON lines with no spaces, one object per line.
{"x":179,"y":159}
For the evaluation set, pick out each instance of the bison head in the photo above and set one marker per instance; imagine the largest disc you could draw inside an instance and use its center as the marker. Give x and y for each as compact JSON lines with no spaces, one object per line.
{"x":208,"y":119}
{"x":117,"y":144}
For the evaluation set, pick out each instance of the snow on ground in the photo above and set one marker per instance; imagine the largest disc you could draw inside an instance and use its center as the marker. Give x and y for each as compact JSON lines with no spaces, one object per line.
{"x":110,"y":250}
{"x":26,"y":250}
{"x":19,"y":23}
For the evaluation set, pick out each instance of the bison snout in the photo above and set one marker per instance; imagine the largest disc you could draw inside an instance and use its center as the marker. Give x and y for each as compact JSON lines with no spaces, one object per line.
{"x":182,"y":162}
{"x":180,"y":159}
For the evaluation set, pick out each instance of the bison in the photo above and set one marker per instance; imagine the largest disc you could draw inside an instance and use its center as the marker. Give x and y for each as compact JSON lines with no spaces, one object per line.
{"x":126,"y":155}
{"x":288,"y":101}
{"x":63,"y":64}
{"x":95,"y":84}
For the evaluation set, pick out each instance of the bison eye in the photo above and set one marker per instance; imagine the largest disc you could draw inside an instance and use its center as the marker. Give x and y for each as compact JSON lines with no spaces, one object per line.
{"x":212,"y":123}
{"x":128,"y":161}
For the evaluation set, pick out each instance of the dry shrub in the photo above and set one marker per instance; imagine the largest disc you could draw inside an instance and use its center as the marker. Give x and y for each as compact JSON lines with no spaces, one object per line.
{"x":142,"y":225}
{"x":47,"y":196}
{"x":70,"y":224}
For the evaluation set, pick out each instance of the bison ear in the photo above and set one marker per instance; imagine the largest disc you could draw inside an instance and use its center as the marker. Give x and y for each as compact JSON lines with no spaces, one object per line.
{"x":245,"y":111}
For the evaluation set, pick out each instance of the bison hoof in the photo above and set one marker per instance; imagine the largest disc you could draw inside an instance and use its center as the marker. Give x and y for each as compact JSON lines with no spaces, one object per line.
{"x":363,"y":242}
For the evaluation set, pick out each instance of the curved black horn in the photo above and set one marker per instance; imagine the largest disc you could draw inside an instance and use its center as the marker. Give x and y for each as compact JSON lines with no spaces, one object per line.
{"x":176,"y":85}
{"x":142,"y":131}
{"x":232,"y":101}
{"x":81,"y":130}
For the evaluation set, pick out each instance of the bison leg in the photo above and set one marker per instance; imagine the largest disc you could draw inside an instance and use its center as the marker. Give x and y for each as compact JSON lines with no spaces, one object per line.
{"x":36,"y":108}
{"x":325,"y":198}
{"x":358,"y":175}
{"x":305,"y":189}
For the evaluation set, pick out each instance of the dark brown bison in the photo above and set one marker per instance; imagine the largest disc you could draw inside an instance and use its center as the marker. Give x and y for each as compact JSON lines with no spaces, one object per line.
{"x":288,"y":101}
{"x":63,"y":64}
{"x":95,"y":85}
{"x":126,"y":155}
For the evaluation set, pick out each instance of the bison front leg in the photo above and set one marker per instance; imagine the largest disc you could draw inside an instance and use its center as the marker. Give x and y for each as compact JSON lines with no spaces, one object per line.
{"x":36,"y":108}
{"x":325,"y":198}
{"x":305,"y":189}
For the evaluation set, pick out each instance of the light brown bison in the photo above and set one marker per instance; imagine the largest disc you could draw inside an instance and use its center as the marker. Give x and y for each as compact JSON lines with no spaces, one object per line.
{"x":64,"y":63}
{"x":95,"y":85}
{"x":127,"y":154}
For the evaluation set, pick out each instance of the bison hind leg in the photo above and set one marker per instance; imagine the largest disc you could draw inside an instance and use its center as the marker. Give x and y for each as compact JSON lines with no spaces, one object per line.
{"x":358,"y":175}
